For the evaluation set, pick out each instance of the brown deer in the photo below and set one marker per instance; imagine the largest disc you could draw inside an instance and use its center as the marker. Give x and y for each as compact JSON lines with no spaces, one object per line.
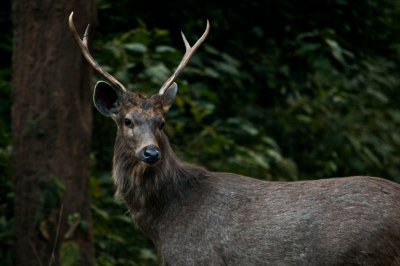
{"x":198,"y":217}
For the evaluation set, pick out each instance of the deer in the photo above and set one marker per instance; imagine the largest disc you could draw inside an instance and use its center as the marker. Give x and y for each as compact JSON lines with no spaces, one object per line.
{"x":198,"y":217}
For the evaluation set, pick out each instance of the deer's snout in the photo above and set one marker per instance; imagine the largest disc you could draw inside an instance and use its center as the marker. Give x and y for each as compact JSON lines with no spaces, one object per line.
{"x":150,"y":154}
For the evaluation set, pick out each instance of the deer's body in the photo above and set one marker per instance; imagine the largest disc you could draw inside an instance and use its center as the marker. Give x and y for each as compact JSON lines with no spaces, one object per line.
{"x":197,"y":217}
{"x":234,"y":220}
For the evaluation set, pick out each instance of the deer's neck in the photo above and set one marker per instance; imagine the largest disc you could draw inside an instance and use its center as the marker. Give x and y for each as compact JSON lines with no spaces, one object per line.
{"x":149,"y":190}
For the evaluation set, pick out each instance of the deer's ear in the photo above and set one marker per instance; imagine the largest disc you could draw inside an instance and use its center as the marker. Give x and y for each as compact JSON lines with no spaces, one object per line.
{"x":169,"y":96}
{"x":105,"y":99}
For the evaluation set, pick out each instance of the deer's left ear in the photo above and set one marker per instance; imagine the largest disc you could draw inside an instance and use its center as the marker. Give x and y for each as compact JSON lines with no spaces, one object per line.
{"x":169,"y":96}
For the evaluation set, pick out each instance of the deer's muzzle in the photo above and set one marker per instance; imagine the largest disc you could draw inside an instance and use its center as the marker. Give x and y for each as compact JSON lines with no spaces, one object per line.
{"x":149,"y":154}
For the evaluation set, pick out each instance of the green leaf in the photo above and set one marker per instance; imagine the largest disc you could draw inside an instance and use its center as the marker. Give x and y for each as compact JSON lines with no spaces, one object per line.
{"x":84,"y":226}
{"x":227,"y":68}
{"x":100,"y":212}
{"x":336,"y":50}
{"x":69,"y":253}
{"x":136,"y":47}
{"x":371,"y":156}
{"x":211,"y":73}
{"x":148,"y":254}
{"x":378,"y":95}
{"x":158,"y":73}
{"x":165,"y":48}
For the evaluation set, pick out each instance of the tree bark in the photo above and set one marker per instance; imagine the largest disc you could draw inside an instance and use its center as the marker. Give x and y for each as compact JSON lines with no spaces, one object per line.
{"x":51,"y":124}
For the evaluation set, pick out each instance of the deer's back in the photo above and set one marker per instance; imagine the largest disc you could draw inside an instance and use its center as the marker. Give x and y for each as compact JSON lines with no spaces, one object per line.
{"x":235,"y":220}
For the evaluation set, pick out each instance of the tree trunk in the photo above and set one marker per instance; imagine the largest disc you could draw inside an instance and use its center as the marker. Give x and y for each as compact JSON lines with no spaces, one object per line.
{"x":51,"y":124}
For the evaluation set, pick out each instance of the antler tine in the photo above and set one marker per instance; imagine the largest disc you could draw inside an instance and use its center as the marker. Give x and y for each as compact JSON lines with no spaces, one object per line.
{"x":190,"y":50}
{"x":83,"y":45}
{"x":85,"y":36}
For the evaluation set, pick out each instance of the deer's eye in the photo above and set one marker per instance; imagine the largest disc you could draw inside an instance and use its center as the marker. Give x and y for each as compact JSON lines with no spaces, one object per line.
{"x":128,"y":122}
{"x":162,"y":125}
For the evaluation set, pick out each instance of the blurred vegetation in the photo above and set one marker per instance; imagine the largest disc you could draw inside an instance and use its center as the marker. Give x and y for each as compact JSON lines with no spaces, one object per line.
{"x":281,"y":90}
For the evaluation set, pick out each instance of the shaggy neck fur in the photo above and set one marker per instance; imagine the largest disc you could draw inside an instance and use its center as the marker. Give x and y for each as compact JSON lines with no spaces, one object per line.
{"x":148,"y":190}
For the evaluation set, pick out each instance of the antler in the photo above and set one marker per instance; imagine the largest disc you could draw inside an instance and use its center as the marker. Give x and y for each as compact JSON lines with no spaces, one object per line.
{"x":85,"y":51}
{"x":188,"y":54}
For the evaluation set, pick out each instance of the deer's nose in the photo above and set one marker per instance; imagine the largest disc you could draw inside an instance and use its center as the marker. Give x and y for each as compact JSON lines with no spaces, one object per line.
{"x":150,"y":154}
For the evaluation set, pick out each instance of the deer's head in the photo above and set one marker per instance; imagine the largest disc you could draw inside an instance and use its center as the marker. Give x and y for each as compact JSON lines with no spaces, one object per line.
{"x":140,"y":119}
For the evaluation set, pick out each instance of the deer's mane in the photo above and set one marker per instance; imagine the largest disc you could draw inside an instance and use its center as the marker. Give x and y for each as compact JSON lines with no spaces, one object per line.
{"x":144,"y":186}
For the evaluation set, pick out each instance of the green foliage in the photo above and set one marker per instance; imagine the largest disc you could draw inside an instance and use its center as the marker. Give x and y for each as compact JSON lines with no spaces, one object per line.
{"x":51,"y":192}
{"x":69,"y":253}
{"x":117,"y":239}
{"x":344,"y":107}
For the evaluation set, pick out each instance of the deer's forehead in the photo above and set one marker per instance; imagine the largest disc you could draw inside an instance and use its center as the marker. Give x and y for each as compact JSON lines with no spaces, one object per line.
{"x":139,"y":114}
{"x":139,"y":105}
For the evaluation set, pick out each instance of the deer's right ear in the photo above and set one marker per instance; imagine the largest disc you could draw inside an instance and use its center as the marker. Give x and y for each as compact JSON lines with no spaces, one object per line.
{"x":169,"y":96}
{"x":105,"y":99}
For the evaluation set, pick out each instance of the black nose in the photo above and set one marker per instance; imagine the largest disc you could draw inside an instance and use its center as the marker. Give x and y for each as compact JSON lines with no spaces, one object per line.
{"x":150,"y":154}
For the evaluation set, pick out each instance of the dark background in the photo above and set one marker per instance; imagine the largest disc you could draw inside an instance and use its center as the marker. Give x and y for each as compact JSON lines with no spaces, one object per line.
{"x":280,"y":90}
